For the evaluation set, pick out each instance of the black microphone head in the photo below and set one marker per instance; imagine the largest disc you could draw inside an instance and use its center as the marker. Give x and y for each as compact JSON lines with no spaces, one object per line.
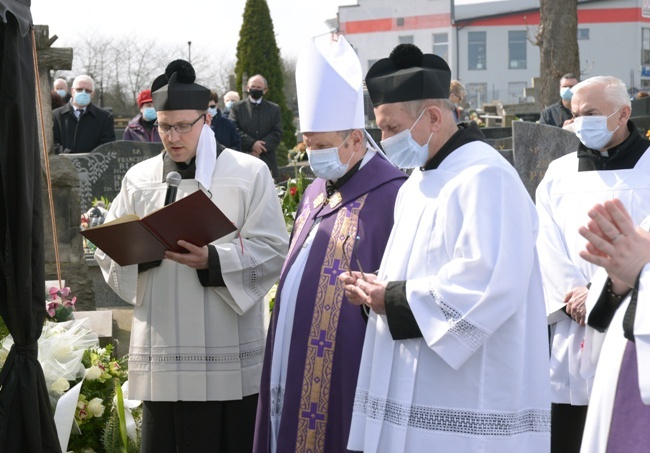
{"x":173,"y":179}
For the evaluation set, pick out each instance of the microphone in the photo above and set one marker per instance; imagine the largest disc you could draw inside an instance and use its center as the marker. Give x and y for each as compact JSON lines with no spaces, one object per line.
{"x":173,"y":181}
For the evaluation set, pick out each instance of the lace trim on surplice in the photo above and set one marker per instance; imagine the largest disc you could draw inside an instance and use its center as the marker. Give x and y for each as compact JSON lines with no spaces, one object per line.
{"x":458,"y":421}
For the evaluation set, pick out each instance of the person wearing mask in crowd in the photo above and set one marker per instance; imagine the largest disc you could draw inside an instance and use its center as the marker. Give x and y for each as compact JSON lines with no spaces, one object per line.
{"x":457,"y":95}
{"x":80,"y":126}
{"x":197,"y":342}
{"x":61,"y":88}
{"x":259,"y":123}
{"x":142,"y":128}
{"x":344,"y":220}
{"x":611,"y":161}
{"x":559,"y":114}
{"x":617,"y":343}
{"x":455,"y":357}
{"x":229,"y":99}
{"x":225,"y":130}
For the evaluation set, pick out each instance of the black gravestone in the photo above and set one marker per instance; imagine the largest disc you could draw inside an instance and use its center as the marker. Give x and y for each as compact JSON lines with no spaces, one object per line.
{"x":101,"y":171}
{"x":641,"y":107}
{"x":642,"y":123}
{"x":535,"y":146}
{"x":496,"y":132}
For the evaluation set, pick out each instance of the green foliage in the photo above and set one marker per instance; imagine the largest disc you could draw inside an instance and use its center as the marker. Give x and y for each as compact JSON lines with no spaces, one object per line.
{"x":258,"y":53}
{"x":4,"y":331}
{"x":282,"y":155}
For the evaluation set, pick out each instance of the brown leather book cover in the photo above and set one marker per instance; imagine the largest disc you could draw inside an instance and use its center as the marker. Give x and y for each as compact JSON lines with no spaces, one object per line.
{"x":130,"y":240}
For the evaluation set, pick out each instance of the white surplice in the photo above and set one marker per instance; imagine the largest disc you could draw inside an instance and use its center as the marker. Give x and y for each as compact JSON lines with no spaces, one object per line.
{"x":464,"y":241}
{"x":604,"y":355}
{"x":195,"y":343}
{"x":563,"y":199}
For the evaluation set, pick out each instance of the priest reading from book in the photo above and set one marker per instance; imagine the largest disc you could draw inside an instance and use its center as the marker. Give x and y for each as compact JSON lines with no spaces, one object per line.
{"x":455,"y":357}
{"x":314,"y":344}
{"x":197,"y":339}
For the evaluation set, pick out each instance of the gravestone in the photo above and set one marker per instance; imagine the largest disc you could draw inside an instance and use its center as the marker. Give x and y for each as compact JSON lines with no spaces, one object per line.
{"x":641,"y":107}
{"x":101,"y":171}
{"x":508,"y":154}
{"x":642,"y":123}
{"x":535,"y":146}
{"x":500,"y":143}
{"x":496,"y":132}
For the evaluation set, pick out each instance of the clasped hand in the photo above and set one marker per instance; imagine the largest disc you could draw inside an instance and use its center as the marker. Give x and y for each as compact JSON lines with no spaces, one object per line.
{"x":365,"y":289}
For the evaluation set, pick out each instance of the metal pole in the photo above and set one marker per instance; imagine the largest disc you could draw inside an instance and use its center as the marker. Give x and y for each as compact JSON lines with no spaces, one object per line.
{"x":189,"y":51}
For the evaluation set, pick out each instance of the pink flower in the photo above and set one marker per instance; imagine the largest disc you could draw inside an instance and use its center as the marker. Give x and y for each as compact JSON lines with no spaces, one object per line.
{"x":65,"y":292}
{"x":54,"y":292}
{"x":51,"y":308}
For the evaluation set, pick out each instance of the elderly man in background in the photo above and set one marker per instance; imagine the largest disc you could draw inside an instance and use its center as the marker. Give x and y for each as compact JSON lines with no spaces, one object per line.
{"x":61,"y":88}
{"x":229,"y":99}
{"x":259,"y":123}
{"x":611,"y":161}
{"x":80,"y":126}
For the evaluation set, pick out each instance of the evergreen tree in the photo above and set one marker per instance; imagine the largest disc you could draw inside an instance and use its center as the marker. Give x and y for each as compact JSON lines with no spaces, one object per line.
{"x":258,"y":53}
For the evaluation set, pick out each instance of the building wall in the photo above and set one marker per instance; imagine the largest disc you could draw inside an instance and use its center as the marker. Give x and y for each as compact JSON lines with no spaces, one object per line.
{"x":613,"y":47}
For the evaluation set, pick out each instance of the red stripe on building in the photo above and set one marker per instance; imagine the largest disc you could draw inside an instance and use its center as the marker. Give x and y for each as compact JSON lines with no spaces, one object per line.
{"x":585,"y":16}
{"x":390,"y":24}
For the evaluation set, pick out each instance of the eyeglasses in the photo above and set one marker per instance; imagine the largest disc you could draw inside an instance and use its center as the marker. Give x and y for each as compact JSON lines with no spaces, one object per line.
{"x":182,"y":128}
{"x":458,"y":97}
{"x":83,"y":90}
{"x":212,"y":106}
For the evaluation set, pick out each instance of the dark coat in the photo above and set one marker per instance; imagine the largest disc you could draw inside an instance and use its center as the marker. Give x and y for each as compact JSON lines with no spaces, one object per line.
{"x":259,"y":122}
{"x":136,"y":132}
{"x":94,"y":128}
{"x":225,"y":132}
{"x":555,"y":115}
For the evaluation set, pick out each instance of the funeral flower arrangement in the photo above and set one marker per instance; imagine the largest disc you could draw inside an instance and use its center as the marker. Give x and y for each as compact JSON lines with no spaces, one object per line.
{"x":87,"y":385}
{"x":291,"y":195}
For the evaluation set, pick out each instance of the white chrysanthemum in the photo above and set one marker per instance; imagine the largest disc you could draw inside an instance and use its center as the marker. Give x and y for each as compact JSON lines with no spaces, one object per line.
{"x":60,"y":386}
{"x":93,"y":373}
{"x":96,"y":407}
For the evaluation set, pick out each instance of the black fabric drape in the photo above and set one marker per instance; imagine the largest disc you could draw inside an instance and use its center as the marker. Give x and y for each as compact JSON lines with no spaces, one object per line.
{"x":26,"y":423}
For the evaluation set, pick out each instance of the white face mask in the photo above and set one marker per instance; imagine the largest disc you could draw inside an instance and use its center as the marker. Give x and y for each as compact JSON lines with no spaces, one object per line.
{"x":404,"y":151}
{"x":212,"y":112}
{"x":592,"y":130}
{"x":326,"y":164}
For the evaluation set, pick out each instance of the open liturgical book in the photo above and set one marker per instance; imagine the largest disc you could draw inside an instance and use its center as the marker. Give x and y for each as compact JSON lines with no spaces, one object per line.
{"x":131,"y":240}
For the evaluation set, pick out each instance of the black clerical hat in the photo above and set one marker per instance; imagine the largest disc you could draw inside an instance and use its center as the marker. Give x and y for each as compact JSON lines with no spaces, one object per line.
{"x":408,"y":75}
{"x":176,"y":90}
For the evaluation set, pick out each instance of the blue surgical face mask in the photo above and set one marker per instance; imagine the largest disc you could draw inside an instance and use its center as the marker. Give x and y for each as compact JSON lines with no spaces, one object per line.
{"x":212,"y":112}
{"x":566,"y":93}
{"x":403,"y":151}
{"x":82,"y":99}
{"x":593,"y":131}
{"x":62,"y":93}
{"x":149,"y":113}
{"x":326,"y":164}
{"x":229,"y":105}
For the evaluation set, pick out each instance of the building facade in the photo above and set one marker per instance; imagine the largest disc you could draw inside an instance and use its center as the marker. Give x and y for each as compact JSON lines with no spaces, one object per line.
{"x":489,"y":46}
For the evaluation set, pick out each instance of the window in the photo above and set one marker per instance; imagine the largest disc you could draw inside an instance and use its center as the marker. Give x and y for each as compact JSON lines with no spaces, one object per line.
{"x":517,"y":49}
{"x":476,"y":94}
{"x":476,"y":50}
{"x":405,"y":39}
{"x":583,"y":34}
{"x":400,"y":21}
{"x":441,"y":45}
